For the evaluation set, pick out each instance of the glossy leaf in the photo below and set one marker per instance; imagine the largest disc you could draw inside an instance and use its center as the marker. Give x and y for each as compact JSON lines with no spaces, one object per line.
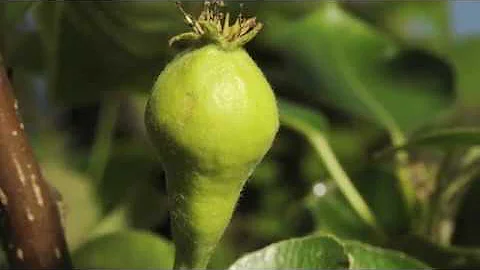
{"x":420,"y":24}
{"x":126,"y":249}
{"x":82,"y":210}
{"x":133,"y":189}
{"x":441,"y":138}
{"x":115,"y":221}
{"x":301,"y":253}
{"x":369,"y":257}
{"x":350,"y":64}
{"x":109,"y":54}
{"x":380,"y":189}
{"x":293,"y":114}
{"x":310,"y":124}
{"x":466,"y":67}
{"x":139,"y":28}
{"x":438,"y":256}
{"x":325,"y":252}
{"x":468,"y":220}
{"x":16,"y":10}
{"x":80,"y":206}
{"x":332,"y":213}
{"x":135,"y":213}
{"x":11,"y":13}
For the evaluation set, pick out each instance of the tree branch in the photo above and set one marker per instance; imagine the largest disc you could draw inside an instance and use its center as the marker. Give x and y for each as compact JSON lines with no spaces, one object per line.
{"x":32,"y":231}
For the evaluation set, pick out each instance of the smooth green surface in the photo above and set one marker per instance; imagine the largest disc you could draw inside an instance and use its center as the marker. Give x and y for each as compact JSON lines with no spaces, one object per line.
{"x":125,"y":249}
{"x":466,"y":67}
{"x":212,"y":117}
{"x":369,"y":257}
{"x":292,"y":112}
{"x":452,"y":257}
{"x":325,"y":252}
{"x":214,"y":108}
{"x":301,"y":253}
{"x":129,"y":37}
{"x":420,"y":24}
{"x":15,"y":11}
{"x":445,"y":138}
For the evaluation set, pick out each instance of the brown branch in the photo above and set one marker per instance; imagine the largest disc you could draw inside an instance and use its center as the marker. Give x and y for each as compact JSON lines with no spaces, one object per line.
{"x":33,"y":234}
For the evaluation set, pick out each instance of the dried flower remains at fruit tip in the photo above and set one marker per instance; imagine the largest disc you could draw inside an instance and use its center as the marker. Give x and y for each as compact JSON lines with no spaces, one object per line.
{"x":213,"y":25}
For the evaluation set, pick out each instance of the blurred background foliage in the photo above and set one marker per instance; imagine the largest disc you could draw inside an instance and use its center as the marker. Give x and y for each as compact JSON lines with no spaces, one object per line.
{"x":367,"y":76}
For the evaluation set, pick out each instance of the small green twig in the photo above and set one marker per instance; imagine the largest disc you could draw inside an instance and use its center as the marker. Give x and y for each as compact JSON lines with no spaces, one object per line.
{"x":344,"y":183}
{"x":397,"y":136}
{"x":464,"y":177}
{"x":341,"y":178}
{"x":294,"y":117}
{"x":103,"y":138}
{"x":449,"y":195}
{"x":404,"y":176}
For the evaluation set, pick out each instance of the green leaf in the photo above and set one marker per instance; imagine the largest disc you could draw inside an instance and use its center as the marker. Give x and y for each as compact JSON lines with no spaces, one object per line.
{"x":10,"y":15}
{"x":139,"y":28}
{"x":302,"y":253}
{"x":115,"y":221}
{"x":26,"y":55}
{"x":444,"y":138}
{"x":300,"y":117}
{"x":369,"y":257}
{"x":3,"y":260}
{"x":128,"y":196}
{"x":21,"y":43}
{"x":15,"y":11}
{"x":437,"y":256}
{"x":126,"y":249}
{"x":420,"y":24}
{"x":310,"y":124}
{"x":82,"y":208}
{"x":468,"y":220}
{"x":49,"y":16}
{"x":285,"y":9}
{"x":333,"y":214}
{"x":117,"y":184}
{"x":376,"y":84}
{"x":467,"y":80}
{"x":325,"y":252}
{"x":129,"y":38}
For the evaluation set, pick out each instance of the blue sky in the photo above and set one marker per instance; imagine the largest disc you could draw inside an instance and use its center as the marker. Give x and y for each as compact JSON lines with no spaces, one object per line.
{"x":466,"y":17}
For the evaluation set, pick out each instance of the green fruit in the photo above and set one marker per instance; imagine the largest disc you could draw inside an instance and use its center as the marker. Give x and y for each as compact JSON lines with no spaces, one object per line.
{"x":212,"y":116}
